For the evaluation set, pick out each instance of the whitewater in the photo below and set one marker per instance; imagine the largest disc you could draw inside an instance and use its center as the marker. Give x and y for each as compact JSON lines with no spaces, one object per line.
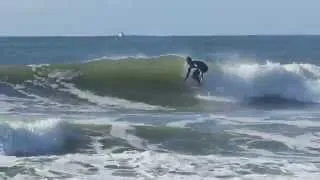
{"x":120,"y":108}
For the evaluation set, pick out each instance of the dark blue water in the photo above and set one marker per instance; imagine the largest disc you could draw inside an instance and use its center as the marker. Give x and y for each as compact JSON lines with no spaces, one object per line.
{"x":38,"y":50}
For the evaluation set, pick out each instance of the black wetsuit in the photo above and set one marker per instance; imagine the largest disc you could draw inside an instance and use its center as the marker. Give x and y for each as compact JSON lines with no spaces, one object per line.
{"x":200,"y":67}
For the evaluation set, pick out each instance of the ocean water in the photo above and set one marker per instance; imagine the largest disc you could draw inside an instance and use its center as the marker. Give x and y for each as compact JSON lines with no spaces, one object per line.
{"x":119,"y":108}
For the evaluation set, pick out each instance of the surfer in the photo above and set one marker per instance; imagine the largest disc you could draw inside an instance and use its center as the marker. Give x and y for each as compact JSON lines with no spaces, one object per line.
{"x":200,"y":68}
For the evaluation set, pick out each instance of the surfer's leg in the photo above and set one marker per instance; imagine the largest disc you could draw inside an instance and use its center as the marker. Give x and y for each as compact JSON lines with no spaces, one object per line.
{"x":201,"y":75}
{"x":195,"y":76}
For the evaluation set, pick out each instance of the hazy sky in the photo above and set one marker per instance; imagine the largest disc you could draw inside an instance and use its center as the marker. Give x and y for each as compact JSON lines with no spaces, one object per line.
{"x":159,"y":17}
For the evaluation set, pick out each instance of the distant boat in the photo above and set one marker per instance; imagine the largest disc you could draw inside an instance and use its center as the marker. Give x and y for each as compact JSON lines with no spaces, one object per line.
{"x":121,"y":34}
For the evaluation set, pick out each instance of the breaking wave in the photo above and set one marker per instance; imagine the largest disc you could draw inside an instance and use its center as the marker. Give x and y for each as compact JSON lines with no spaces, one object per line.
{"x":266,"y":83}
{"x":157,"y":82}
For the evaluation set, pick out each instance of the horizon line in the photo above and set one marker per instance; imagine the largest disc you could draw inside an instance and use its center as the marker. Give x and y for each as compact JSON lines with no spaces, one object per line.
{"x":156,"y":35}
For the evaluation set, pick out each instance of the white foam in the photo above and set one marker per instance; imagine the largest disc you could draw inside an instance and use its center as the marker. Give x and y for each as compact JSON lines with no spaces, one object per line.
{"x":293,"y":81}
{"x":189,"y":120}
{"x":35,"y":66}
{"x":39,"y":102}
{"x":301,"y":142}
{"x":294,"y":118}
{"x":154,"y":165}
{"x":34,"y":96}
{"x":157,"y":165}
{"x":217,"y":98}
{"x":7,"y":106}
{"x":94,"y":120}
{"x":63,"y":75}
{"x":137,"y":56}
{"x":120,"y":131}
{"x":109,"y":101}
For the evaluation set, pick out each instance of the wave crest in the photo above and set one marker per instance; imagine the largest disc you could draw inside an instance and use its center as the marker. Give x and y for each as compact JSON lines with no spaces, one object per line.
{"x":300,"y":82}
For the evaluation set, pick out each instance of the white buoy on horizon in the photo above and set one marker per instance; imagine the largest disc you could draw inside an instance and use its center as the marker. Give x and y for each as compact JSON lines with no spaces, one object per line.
{"x":121,"y":34}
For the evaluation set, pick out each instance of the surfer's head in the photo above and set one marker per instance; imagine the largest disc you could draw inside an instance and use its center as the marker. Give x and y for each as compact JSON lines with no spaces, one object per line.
{"x":188,"y":59}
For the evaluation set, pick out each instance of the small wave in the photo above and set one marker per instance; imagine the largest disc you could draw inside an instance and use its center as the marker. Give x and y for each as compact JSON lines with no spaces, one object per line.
{"x":41,"y":137}
{"x":37,"y":138}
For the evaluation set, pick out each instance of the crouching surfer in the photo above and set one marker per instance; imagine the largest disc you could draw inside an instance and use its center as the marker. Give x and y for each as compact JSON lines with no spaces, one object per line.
{"x":200,"y":68}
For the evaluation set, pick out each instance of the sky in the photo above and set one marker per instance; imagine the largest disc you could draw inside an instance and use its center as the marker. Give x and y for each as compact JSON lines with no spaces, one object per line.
{"x":158,"y":17}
